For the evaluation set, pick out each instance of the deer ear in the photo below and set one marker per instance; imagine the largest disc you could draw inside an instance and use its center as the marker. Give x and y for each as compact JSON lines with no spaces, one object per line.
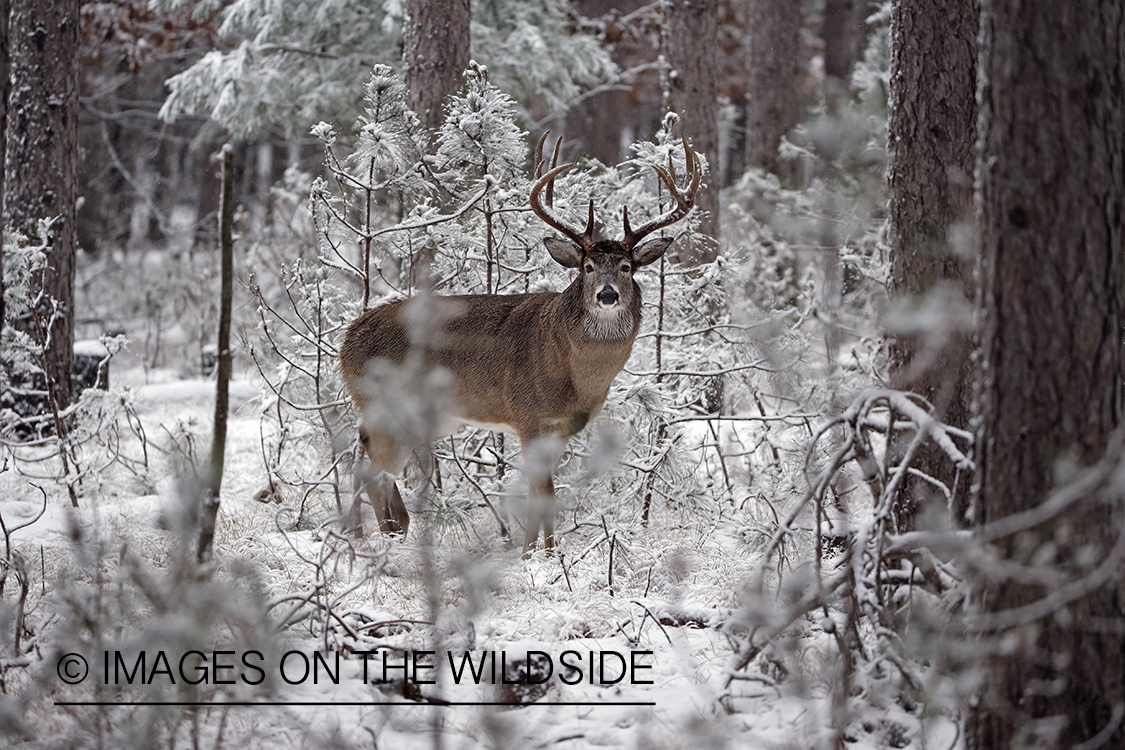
{"x":651,"y":251}
{"x":565,"y":253}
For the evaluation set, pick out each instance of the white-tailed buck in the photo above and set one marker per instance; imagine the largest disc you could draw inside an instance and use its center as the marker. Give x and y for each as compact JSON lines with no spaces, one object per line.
{"x":536,"y":364}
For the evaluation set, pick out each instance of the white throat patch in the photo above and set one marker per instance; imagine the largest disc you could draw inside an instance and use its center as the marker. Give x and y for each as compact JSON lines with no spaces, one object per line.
{"x":609,"y":324}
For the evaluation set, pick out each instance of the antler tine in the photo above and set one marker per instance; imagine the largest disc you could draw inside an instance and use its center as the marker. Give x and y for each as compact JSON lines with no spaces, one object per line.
{"x":551,"y":184}
{"x":695,"y":168}
{"x":672,"y":167}
{"x":544,"y":212}
{"x":537,"y":170}
{"x":685,"y":201}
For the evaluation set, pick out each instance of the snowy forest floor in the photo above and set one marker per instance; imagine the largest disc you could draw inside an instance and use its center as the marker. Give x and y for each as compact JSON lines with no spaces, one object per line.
{"x":674,"y":585}
{"x":191,"y":660}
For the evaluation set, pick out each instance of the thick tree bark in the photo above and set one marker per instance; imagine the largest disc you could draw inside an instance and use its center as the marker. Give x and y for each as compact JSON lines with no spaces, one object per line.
{"x":689,"y":46}
{"x":42,"y":152}
{"x":435,"y":54}
{"x":775,"y":49}
{"x":4,"y":11}
{"x":931,"y":138}
{"x":1051,"y":181}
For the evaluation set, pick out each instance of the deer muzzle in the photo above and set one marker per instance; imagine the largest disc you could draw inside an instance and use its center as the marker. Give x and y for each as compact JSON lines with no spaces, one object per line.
{"x":608,"y":296}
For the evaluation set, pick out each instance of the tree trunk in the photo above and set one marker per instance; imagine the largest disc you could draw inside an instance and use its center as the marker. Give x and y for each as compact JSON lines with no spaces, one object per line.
{"x":208,"y":198}
{"x":842,"y":31}
{"x":4,"y":9}
{"x":772,"y":96}
{"x":931,"y":138}
{"x":435,"y":54}
{"x":689,"y":45}
{"x":212,"y":491}
{"x":41,"y":161}
{"x":1051,"y":202}
{"x":596,"y":123}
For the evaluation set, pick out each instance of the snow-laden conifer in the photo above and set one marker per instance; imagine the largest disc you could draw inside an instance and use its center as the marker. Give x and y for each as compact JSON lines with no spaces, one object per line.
{"x":290,"y":65}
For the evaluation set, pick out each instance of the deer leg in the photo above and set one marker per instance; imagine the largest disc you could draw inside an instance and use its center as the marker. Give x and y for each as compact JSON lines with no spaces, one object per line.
{"x":385,"y":498}
{"x":387,"y":459}
{"x":541,"y":456}
{"x":541,"y":510}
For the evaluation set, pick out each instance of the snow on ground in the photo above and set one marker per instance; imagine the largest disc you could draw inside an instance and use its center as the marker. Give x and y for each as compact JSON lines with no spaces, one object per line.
{"x":674,"y":585}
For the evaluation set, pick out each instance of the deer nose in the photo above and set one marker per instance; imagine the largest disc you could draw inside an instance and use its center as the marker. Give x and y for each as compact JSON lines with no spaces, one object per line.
{"x":607,"y":297}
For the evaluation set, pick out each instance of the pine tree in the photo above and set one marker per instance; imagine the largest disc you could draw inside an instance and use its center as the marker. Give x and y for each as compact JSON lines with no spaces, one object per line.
{"x":931,"y":137}
{"x":4,"y":9}
{"x":435,"y":52}
{"x":41,"y":164}
{"x":1051,"y":198}
{"x":775,"y":28}
{"x":689,"y":31}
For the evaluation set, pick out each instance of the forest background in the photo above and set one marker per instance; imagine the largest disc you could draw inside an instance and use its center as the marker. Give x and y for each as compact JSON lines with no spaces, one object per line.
{"x":858,"y":485}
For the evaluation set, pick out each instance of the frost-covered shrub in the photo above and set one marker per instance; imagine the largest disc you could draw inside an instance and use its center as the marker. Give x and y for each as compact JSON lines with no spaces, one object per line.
{"x":151,"y":633}
{"x":20,"y":354}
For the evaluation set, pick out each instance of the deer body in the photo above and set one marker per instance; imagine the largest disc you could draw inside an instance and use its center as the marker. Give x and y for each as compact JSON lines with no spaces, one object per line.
{"x":522,"y":361}
{"x":539,"y":365}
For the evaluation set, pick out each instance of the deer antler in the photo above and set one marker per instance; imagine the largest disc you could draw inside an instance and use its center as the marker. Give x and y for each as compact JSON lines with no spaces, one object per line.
{"x":685,"y":201}
{"x":584,"y":239}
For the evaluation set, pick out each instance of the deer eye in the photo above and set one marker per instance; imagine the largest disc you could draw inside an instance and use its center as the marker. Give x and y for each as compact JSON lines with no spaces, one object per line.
{"x":589,"y":268}
{"x":626,"y":268}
